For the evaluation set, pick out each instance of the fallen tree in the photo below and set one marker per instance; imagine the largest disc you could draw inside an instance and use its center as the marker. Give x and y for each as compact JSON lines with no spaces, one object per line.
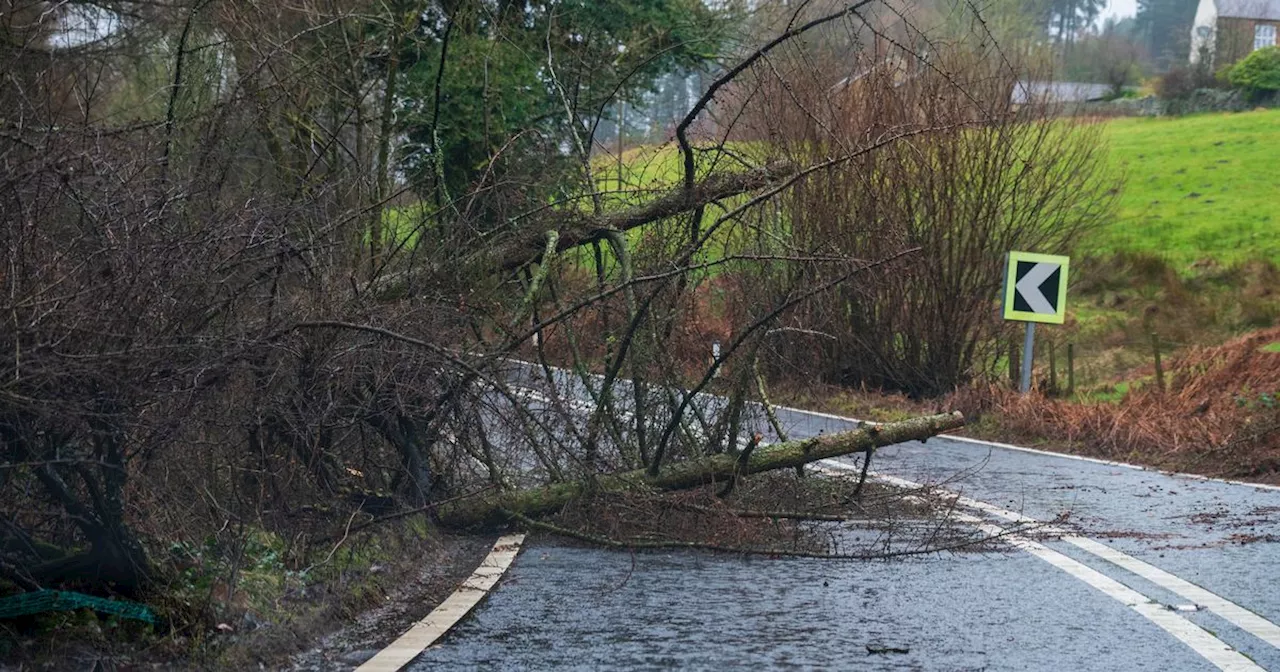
{"x":501,"y":507}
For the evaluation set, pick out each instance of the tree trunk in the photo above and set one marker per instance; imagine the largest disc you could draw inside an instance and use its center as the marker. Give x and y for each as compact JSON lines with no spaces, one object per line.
{"x":492,"y":509}
{"x":402,"y":432}
{"x":116,"y":560}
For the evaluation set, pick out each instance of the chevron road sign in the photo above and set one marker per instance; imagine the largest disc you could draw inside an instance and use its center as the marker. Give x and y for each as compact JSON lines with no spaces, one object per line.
{"x":1035,"y":288}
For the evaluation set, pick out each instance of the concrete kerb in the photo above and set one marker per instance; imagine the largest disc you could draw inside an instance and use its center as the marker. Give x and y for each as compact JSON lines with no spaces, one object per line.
{"x":430,"y":629}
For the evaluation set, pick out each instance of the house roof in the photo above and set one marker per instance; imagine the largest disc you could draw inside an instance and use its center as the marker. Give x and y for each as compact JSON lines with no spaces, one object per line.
{"x":1058,"y":92}
{"x":1248,"y":9}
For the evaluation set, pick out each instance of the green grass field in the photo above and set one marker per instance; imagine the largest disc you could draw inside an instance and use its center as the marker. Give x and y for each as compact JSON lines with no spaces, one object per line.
{"x":1198,"y":187}
{"x":1205,"y":186}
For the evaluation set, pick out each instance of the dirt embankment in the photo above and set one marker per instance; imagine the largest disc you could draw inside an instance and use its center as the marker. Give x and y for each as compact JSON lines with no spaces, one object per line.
{"x":1219,"y":414}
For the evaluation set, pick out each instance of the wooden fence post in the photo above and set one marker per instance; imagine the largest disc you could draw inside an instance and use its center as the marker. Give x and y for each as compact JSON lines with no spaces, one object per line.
{"x":1155,"y":348}
{"x":1053,"y":369}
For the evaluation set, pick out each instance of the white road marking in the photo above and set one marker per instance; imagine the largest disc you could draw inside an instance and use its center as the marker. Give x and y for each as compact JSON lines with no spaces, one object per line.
{"x":1237,"y":615}
{"x":1204,"y":643}
{"x":1233,"y":613}
{"x":1200,"y":640}
{"x":1110,"y":463}
{"x":424,"y":633}
{"x":984,"y":442}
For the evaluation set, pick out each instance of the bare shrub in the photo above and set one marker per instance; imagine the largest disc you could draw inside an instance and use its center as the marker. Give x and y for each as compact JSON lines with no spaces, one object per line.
{"x":1180,"y":82}
{"x":165,"y":250}
{"x":970,"y":179}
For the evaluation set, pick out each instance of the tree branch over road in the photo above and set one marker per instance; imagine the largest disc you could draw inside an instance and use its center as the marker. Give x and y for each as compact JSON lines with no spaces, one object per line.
{"x":495,"y":509}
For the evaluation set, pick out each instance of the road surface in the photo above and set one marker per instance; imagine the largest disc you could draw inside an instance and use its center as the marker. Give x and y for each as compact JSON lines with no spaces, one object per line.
{"x":1148,"y":572}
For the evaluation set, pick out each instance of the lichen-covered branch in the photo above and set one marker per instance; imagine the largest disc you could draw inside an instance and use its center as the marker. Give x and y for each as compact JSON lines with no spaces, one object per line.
{"x":496,"y":508}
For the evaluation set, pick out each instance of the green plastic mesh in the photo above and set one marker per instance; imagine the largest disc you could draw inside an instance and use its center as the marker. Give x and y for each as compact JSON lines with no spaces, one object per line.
{"x":62,"y":600}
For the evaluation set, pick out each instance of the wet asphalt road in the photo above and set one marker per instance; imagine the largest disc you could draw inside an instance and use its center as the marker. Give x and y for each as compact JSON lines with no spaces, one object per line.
{"x":574,"y":608}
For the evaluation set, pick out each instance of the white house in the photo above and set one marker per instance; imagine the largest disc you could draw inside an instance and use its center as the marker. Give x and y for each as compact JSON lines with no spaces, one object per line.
{"x":1224,"y":31}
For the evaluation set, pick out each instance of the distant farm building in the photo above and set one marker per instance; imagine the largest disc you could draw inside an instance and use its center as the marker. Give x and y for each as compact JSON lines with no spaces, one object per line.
{"x":1057,"y":93}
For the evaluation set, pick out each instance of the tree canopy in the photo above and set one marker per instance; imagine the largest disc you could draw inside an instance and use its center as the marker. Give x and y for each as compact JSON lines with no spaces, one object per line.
{"x":486,"y":82}
{"x":1167,"y":26}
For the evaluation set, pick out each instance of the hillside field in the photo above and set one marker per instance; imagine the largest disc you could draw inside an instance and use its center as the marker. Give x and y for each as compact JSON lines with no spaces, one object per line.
{"x":1204,"y":186}
{"x":1195,"y":188}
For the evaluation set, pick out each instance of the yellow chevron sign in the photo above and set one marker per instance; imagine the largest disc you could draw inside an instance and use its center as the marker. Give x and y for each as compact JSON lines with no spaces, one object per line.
{"x":1035,"y":288}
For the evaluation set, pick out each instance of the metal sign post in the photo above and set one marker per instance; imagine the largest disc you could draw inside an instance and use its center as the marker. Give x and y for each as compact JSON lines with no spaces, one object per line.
{"x":1035,"y":290}
{"x":1028,"y":347}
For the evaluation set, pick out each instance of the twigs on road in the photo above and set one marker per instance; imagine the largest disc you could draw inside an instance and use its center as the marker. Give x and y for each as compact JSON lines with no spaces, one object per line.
{"x":643,"y":544}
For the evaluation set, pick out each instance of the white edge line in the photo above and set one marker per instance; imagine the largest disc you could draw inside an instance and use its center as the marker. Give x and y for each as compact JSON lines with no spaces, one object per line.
{"x":1246,"y":620}
{"x":1204,"y":643}
{"x":996,"y":444}
{"x":424,"y":633}
{"x":1209,"y":646}
{"x":1249,"y":621}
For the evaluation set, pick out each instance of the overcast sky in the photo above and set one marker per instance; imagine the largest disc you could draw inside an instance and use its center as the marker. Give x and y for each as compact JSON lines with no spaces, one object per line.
{"x":1118,"y":9}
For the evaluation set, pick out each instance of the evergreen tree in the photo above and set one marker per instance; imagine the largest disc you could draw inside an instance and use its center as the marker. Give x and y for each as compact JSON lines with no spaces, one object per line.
{"x":1167,"y":27}
{"x":481,"y":76}
{"x":1069,"y":18}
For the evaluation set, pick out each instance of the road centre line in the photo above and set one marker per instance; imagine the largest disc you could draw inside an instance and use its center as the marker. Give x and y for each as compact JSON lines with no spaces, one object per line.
{"x":1208,"y":646}
{"x":1212,"y":649}
{"x":1237,"y":615}
{"x":1229,"y":611}
{"x":1243,"y":618}
{"x":424,"y":633}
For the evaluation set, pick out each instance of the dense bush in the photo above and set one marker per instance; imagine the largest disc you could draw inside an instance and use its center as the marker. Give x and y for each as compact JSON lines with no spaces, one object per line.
{"x":1180,"y":82}
{"x":1258,"y":73}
